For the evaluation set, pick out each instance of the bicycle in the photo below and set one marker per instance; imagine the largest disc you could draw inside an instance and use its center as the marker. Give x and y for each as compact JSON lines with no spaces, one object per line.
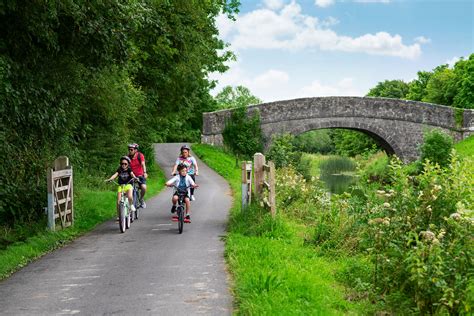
{"x":136,"y":200}
{"x":124,"y":208}
{"x":180,"y":208}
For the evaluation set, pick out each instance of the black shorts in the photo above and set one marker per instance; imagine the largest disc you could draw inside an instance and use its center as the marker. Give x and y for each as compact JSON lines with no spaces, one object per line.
{"x":142,"y":180}
{"x":176,"y":194}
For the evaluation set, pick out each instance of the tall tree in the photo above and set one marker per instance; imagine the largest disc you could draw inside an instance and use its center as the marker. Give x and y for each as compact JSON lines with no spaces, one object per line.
{"x":397,"y":89}
{"x":239,"y":96}
{"x":441,"y":87}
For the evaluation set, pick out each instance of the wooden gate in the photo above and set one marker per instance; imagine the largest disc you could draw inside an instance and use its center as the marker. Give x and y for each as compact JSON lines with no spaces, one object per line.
{"x":265,"y":182}
{"x":60,"y":195}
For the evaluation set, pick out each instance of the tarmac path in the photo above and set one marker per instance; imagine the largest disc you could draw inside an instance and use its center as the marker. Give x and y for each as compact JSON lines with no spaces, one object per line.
{"x":148,"y":270}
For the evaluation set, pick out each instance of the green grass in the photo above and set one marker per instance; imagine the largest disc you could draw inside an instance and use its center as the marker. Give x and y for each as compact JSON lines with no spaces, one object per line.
{"x":465,"y":148}
{"x":91,"y":208}
{"x":275,"y":272}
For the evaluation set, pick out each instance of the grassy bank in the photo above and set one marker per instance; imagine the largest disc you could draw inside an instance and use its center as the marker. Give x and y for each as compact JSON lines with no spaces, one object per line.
{"x":92,"y":207}
{"x":274,"y":270}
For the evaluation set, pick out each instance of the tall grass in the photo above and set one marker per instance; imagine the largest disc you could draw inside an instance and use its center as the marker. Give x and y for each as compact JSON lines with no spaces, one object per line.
{"x":275,"y":272}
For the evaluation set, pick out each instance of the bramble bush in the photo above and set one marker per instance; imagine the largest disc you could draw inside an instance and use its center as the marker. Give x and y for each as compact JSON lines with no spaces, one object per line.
{"x":417,"y":231}
{"x":421,"y":238}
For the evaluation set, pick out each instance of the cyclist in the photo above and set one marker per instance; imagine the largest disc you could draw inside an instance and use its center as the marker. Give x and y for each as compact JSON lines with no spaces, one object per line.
{"x":125,"y":175}
{"x":139,"y":169}
{"x":182,"y":181}
{"x":191,"y":164}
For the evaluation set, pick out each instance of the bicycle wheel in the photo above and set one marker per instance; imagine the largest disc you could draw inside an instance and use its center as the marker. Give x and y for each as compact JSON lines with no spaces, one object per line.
{"x":128,"y":219}
{"x":180,"y":212}
{"x":122,"y":218}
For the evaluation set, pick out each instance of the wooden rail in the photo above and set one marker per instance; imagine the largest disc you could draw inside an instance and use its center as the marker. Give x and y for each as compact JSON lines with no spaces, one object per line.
{"x":60,"y":195}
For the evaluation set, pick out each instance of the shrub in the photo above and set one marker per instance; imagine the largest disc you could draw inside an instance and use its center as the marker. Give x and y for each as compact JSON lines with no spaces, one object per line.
{"x":437,"y":147}
{"x":282,"y":151}
{"x":242,"y":134}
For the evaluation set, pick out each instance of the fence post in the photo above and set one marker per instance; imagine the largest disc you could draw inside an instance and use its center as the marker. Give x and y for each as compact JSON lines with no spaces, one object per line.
{"x":272,"y":188}
{"x":246,"y":183}
{"x":51,"y":220}
{"x":258,"y":161}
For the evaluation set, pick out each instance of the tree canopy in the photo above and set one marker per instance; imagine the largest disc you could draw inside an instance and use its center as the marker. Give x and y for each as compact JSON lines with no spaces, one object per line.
{"x":84,"y":78}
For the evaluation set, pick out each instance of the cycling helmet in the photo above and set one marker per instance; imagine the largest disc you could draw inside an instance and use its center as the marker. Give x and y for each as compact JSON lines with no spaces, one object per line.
{"x":125,"y":158}
{"x":185,"y":147}
{"x":134,"y":145}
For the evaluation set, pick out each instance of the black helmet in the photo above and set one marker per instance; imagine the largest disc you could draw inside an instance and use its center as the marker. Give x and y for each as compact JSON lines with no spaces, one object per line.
{"x":125,"y":158}
{"x":185,"y":147}
{"x":134,"y":145}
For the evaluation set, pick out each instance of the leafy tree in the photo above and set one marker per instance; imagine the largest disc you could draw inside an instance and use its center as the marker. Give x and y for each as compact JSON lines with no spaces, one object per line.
{"x":231,"y":97}
{"x":464,"y":73}
{"x":352,"y":143}
{"x":397,"y":89}
{"x":318,"y":141}
{"x":441,"y":87}
{"x":417,"y":87}
{"x":242,"y":133}
{"x":82,"y":78}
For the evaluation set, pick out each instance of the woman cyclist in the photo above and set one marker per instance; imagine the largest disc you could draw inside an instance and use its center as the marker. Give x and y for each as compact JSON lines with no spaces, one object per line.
{"x":125,"y":175}
{"x":191,"y":164}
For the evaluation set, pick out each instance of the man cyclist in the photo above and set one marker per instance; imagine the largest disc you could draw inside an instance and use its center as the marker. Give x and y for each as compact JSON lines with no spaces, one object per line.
{"x":137,"y":163}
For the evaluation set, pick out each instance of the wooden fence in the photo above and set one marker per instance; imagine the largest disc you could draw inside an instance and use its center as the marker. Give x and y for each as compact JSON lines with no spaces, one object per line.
{"x":265,"y":182}
{"x":60,"y":195}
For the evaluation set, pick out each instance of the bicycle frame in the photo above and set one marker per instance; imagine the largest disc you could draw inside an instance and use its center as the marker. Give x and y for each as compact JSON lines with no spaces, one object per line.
{"x":180,"y":208}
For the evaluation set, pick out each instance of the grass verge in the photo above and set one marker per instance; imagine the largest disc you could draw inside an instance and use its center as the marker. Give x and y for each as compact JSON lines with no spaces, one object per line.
{"x":274,"y":270}
{"x":465,"y":148}
{"x":92,"y":207}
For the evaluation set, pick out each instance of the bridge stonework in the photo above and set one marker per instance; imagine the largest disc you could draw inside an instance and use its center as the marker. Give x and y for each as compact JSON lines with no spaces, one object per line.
{"x":396,"y":125}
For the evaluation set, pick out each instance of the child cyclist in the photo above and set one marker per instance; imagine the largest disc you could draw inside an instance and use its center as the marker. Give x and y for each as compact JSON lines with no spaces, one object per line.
{"x":191,"y":164}
{"x":124,"y":174}
{"x":182,"y":181}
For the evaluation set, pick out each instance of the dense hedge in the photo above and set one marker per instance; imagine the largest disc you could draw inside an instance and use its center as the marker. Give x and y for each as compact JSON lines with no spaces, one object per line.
{"x":84,"y":78}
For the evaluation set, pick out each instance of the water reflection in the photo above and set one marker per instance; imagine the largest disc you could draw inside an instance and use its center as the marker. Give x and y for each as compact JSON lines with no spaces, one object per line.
{"x":337,"y":173}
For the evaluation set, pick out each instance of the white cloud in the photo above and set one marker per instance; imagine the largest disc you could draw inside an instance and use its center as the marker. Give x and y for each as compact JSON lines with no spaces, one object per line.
{"x":452,"y":61}
{"x":273,"y":4}
{"x":344,"y":87}
{"x":324,"y":3}
{"x":290,"y":29}
{"x":422,"y":40}
{"x":270,"y":85}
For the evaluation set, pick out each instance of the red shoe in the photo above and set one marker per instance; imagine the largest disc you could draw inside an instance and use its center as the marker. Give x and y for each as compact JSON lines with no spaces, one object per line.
{"x":174,"y":218}
{"x":187,"y":219}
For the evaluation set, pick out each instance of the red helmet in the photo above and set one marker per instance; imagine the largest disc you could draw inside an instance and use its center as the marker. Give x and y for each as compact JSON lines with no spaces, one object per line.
{"x":134,"y":146}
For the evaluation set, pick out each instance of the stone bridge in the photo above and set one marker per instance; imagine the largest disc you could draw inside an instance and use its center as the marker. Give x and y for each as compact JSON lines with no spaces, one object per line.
{"x":396,"y":125}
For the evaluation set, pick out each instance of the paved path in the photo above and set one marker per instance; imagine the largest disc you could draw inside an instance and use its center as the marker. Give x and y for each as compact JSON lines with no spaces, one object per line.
{"x":149,"y":270}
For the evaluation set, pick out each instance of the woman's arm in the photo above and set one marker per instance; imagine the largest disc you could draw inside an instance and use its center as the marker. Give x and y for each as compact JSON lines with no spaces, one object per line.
{"x":112,"y":177}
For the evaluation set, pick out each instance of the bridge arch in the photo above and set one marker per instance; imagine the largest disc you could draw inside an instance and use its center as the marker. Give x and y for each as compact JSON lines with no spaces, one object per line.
{"x":378,"y":135}
{"x":397,"y":125}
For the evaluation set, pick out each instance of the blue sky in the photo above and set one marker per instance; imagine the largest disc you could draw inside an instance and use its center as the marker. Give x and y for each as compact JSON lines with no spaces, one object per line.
{"x":305,"y":48}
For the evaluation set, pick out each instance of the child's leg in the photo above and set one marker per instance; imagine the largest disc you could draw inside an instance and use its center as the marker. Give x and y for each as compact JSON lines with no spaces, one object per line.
{"x":174,"y":199}
{"x":188,"y":205}
{"x":130,"y":197}
{"x":119,"y":197}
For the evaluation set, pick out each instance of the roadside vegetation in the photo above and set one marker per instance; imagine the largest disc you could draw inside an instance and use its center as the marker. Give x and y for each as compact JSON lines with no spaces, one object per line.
{"x":275,"y":271}
{"x":395,"y":239}
{"x":94,"y":204}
